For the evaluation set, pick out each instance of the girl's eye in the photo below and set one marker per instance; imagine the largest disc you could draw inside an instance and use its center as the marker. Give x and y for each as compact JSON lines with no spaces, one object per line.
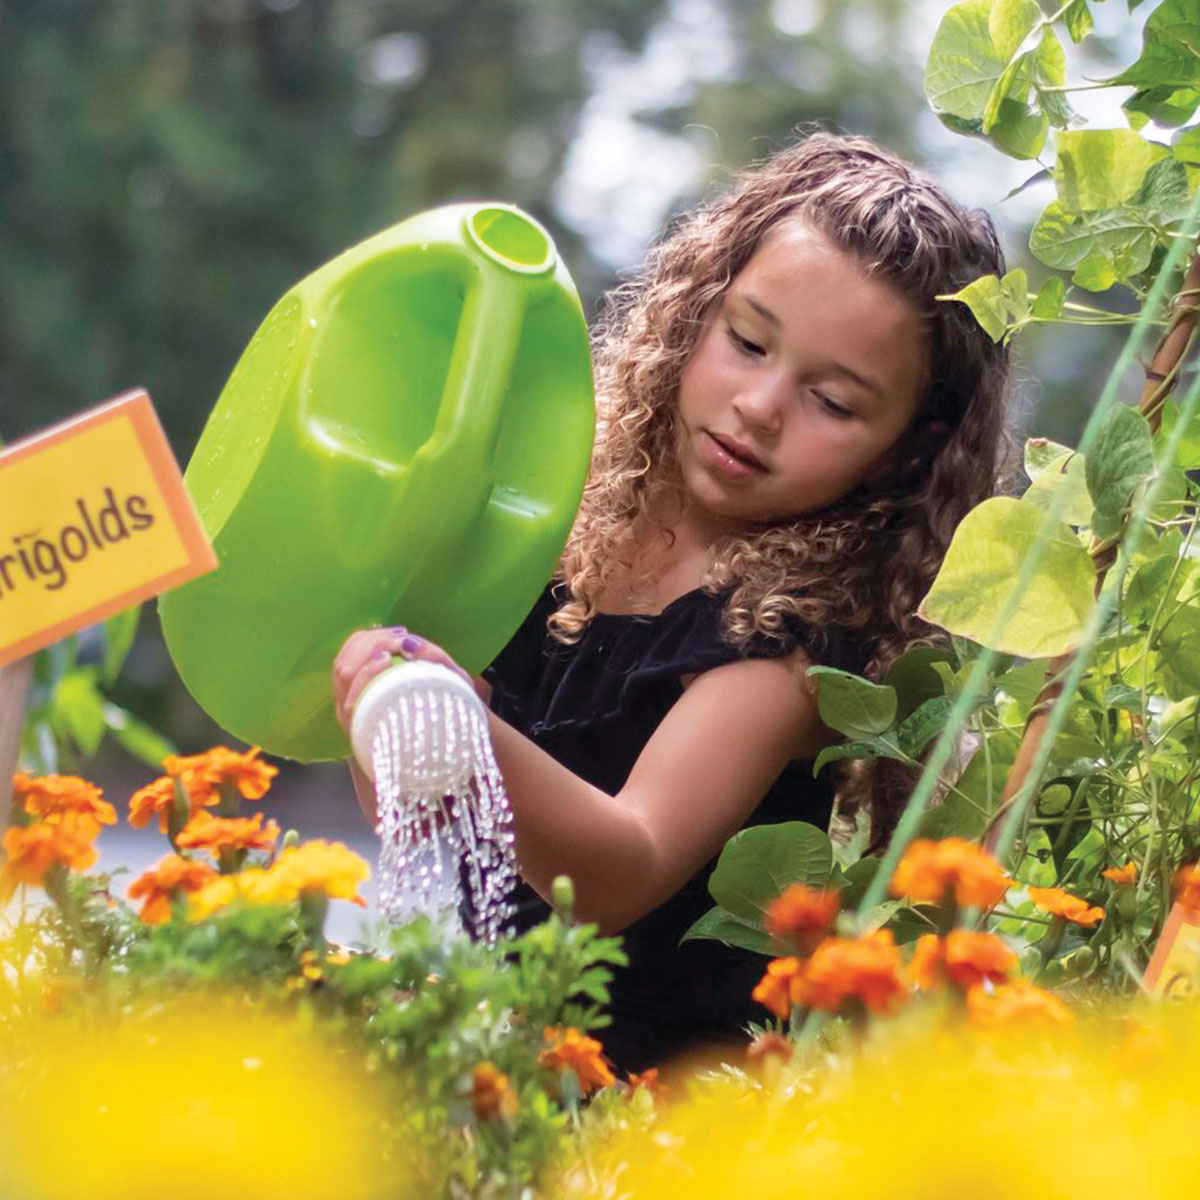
{"x":834,"y":407}
{"x":745,"y":345}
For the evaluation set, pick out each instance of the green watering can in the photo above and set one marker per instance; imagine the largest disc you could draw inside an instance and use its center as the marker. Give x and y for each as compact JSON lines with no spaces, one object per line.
{"x":404,"y":441}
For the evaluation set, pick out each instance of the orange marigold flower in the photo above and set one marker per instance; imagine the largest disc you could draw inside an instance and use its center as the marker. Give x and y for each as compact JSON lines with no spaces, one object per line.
{"x":1122,"y":876}
{"x":208,"y":772}
{"x":780,"y":987}
{"x":647,"y":1079}
{"x":31,"y":850}
{"x":206,"y":832}
{"x":924,"y":971}
{"x":1016,"y":1002}
{"x":868,"y":969}
{"x":159,"y":798}
{"x":1187,"y":886}
{"x":492,"y":1095}
{"x":802,"y":915}
{"x":157,"y":885}
{"x":568,"y":1049}
{"x":49,"y":796}
{"x":931,"y":870}
{"x":970,"y":958}
{"x":1071,"y":908}
{"x":320,"y":866}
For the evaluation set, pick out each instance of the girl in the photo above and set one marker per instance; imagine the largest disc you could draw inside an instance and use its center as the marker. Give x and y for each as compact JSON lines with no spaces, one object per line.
{"x":791,"y":425}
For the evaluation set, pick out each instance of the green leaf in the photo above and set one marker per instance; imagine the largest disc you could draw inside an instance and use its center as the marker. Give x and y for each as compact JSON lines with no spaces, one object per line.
{"x":977,"y":576}
{"x":1010,"y":22}
{"x":857,"y":878}
{"x":1037,"y":866}
{"x":966,"y":809}
{"x":923,"y":725}
{"x":1065,"y":475}
{"x":985,"y":298}
{"x":1169,"y":48}
{"x":1095,"y":274}
{"x":1019,"y":131}
{"x":964,"y":64}
{"x":1187,"y":453}
{"x":1167,"y":106}
{"x":1024,"y":683}
{"x":964,"y":74}
{"x":914,"y":678}
{"x":1063,"y":241}
{"x":717,"y":925}
{"x":1165,"y":195}
{"x":78,"y":708}
{"x":1054,"y":800}
{"x":1179,"y":654}
{"x":757,"y":864}
{"x":119,"y":633}
{"x":1186,"y":146}
{"x":876,"y":747}
{"x":136,"y":737}
{"x":1121,"y":459}
{"x":853,"y":706}
{"x":1078,"y":20}
{"x":1102,"y":168}
{"x":1048,"y":304}
{"x":1042,"y":454}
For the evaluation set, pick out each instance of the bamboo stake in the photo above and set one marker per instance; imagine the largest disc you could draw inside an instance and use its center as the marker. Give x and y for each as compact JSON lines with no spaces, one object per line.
{"x":1161,"y":376}
{"x":14,"y":684}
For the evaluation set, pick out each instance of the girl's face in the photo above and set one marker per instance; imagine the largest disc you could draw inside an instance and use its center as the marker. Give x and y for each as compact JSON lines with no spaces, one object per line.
{"x":802,"y":382}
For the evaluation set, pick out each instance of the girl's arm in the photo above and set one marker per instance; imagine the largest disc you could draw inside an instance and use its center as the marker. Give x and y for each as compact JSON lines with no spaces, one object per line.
{"x":707,"y":766}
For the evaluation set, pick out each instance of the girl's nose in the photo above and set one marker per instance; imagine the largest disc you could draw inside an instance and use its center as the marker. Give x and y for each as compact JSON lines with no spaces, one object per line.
{"x":761,"y":405}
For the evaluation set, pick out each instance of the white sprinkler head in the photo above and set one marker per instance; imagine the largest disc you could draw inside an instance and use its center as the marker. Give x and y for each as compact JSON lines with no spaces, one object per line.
{"x":425,"y":685}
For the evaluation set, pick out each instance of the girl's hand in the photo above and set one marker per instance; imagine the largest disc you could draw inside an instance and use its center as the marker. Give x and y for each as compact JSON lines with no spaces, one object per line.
{"x":368,"y":652}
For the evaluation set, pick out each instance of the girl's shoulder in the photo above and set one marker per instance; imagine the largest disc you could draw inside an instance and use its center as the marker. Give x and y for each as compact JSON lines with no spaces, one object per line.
{"x":618,"y":655}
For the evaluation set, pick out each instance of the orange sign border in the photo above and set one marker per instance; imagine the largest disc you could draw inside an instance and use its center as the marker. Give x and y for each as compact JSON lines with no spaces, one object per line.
{"x":1176,"y":919}
{"x":137,"y":406}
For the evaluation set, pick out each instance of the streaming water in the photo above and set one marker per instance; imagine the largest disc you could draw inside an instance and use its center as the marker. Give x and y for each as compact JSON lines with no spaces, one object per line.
{"x":444,"y":819}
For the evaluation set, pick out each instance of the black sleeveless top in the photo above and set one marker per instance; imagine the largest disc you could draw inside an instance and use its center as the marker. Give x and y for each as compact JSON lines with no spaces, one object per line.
{"x":593,"y":706}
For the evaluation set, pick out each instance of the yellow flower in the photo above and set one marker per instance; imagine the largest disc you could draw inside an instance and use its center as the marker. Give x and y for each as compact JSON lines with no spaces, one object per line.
{"x":160,"y":883}
{"x":206,"y":832}
{"x":250,"y":887}
{"x":50,"y":796}
{"x":320,"y":866}
{"x":568,"y":1049}
{"x":1071,"y":908}
{"x":932,"y":870}
{"x":31,"y":850}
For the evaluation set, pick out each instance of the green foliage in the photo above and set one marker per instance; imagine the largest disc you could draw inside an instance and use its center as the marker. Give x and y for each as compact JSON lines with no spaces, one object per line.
{"x":972,"y":595}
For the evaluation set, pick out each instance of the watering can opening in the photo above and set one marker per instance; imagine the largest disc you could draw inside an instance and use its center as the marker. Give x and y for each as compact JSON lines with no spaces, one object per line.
{"x":512,"y":239}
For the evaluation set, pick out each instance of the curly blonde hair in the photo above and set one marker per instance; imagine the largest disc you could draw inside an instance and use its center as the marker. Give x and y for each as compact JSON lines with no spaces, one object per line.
{"x":864,"y":562}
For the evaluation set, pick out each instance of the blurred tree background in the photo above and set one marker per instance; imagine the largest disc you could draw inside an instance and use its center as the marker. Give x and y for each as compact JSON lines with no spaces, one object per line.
{"x":168,"y":170}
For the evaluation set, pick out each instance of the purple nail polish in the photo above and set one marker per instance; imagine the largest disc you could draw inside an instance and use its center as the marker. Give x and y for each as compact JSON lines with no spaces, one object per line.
{"x":410,"y":644}
{"x":398,"y":629}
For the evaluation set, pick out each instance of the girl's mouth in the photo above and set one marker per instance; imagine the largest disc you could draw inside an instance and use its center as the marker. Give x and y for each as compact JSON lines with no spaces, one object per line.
{"x":732,"y":458}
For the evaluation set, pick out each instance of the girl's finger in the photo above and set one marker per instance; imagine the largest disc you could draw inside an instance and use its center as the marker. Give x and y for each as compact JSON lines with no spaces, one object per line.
{"x":375,"y":664}
{"x":419,"y":649}
{"x":357,"y":650}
